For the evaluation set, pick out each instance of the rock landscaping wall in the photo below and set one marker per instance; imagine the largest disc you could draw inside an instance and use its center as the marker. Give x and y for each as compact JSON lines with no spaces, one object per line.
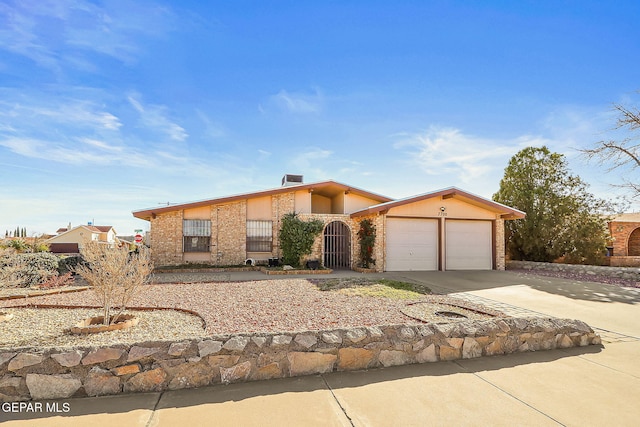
{"x":30,"y":374}
{"x":632,"y":273}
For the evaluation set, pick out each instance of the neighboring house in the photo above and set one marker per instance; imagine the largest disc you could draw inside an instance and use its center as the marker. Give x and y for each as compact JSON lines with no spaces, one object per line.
{"x":625,"y":240}
{"x":71,"y":240}
{"x":444,"y":230}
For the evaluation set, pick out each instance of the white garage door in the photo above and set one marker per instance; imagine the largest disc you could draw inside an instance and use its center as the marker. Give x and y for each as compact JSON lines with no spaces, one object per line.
{"x":412,"y":244}
{"x":468,"y":245}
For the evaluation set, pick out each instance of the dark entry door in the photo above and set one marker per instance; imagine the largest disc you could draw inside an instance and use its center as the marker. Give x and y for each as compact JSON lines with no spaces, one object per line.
{"x":337,"y":245}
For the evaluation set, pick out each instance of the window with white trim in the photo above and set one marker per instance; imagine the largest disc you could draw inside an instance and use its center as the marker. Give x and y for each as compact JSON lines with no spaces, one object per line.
{"x":196,"y":235}
{"x":259,"y":236}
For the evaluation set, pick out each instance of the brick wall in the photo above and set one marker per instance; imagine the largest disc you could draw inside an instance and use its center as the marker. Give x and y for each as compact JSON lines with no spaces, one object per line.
{"x":620,"y":233}
{"x":500,"y":245}
{"x":229,"y":233}
{"x":166,"y":238}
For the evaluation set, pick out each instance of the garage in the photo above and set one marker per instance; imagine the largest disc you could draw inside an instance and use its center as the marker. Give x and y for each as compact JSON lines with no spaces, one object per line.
{"x":411,"y":244}
{"x":468,"y":245}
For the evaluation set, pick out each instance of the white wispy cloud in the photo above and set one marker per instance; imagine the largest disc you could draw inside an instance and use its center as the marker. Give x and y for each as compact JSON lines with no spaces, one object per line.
{"x":299,"y":103}
{"x":449,"y":151}
{"x":62,"y":33}
{"x":155,"y":117}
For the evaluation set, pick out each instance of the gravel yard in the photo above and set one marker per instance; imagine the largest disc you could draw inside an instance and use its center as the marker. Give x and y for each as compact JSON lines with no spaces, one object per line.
{"x":286,"y":305}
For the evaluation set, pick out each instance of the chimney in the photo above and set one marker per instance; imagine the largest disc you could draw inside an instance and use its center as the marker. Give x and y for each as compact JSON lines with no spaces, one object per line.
{"x":288,"y":180}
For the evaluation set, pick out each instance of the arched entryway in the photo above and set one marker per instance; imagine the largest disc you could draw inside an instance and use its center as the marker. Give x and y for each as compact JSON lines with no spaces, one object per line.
{"x":633,"y":244}
{"x":337,"y":245}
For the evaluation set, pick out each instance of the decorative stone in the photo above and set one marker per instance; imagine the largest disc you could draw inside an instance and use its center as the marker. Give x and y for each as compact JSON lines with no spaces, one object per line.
{"x":126,"y":370}
{"x":356,"y":335}
{"x":52,"y":386}
{"x":136,"y":353}
{"x":563,"y":341}
{"x":4,"y":357}
{"x":208,"y":347}
{"x":427,"y":355}
{"x":235,"y":373}
{"x":503,"y":326}
{"x":259,"y":341}
{"x":450,"y":353}
{"x":147,"y":381}
{"x":306,"y":341}
{"x":455,"y":342}
{"x":100,"y":382}
{"x":69,"y":359}
{"x":177,"y":348}
{"x":287,"y":267}
{"x":471,"y":349}
{"x":281,"y":340}
{"x":188,"y":375}
{"x":224,"y":361}
{"x":375,"y":332}
{"x":407,"y":334}
{"x":425,"y":331}
{"x":393,"y":358}
{"x":23,"y":360}
{"x":236,"y":343}
{"x":354,"y":358}
{"x":301,"y":363}
{"x":272,"y":370}
{"x":596,"y":340}
{"x":418,"y":345}
{"x":102,"y":355}
{"x":331,"y":338}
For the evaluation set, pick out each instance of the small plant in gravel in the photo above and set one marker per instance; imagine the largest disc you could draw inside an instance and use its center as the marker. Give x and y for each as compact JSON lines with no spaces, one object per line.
{"x":115,"y":275}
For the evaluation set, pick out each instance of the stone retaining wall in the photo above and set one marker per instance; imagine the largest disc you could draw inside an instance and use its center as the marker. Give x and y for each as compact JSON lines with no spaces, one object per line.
{"x":632,"y":273}
{"x":29,"y":374}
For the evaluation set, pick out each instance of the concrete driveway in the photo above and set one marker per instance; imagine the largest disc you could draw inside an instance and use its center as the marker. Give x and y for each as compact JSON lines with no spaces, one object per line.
{"x":575,"y":387}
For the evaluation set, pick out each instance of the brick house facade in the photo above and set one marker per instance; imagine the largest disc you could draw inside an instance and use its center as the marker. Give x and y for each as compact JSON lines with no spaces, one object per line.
{"x":231,"y":230}
{"x":625,"y":240}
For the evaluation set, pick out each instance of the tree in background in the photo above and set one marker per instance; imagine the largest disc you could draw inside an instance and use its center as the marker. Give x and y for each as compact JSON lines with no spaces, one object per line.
{"x":563,"y":218}
{"x":622,"y":152}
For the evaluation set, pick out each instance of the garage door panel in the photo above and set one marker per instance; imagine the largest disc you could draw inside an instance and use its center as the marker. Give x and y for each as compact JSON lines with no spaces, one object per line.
{"x":412,"y":244}
{"x":468,"y":245}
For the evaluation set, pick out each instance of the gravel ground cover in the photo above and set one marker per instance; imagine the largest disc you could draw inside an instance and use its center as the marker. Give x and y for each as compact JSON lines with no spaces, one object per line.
{"x":286,"y":305}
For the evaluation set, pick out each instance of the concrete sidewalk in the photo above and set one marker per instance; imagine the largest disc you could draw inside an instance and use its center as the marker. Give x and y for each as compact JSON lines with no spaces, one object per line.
{"x":573,"y":387}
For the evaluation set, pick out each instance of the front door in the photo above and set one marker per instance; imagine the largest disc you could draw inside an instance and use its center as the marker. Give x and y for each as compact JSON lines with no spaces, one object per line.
{"x":337,"y":245}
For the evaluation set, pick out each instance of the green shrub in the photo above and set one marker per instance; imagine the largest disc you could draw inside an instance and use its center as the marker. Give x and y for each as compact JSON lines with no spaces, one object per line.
{"x":367,"y":237}
{"x":296,"y":237}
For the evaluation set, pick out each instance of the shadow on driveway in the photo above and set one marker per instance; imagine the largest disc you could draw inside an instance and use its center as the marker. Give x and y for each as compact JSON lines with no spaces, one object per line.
{"x":447,"y":282}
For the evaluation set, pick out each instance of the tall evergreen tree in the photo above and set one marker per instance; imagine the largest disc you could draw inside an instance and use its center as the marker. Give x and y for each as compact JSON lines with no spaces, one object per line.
{"x":563,"y":218}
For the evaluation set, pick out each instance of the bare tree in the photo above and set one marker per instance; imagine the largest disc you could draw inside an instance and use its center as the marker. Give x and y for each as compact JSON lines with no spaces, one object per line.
{"x":115,"y":275}
{"x":624,"y":151}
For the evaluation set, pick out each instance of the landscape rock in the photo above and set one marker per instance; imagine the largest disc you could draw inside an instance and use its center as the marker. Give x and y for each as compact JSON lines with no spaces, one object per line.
{"x":102,"y":355}
{"x":147,"y":381}
{"x":331,"y":338}
{"x":471,"y":349}
{"x":306,"y":340}
{"x":236,"y":343}
{"x":281,"y":340}
{"x":136,"y":353}
{"x":301,"y":363}
{"x":393,"y":358}
{"x":208,"y":347}
{"x":427,"y":355}
{"x":101,"y":382}
{"x":4,"y":357}
{"x":126,"y":370}
{"x":271,"y":370}
{"x":52,"y":386}
{"x":23,"y":360}
{"x":188,"y":375}
{"x":356,"y":335}
{"x":178,"y":348}
{"x":69,"y":359}
{"x":354,"y":358}
{"x":235,"y":373}
{"x":259,"y":341}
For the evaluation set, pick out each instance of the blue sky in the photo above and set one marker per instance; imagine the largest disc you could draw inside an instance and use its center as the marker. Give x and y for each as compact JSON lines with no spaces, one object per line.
{"x":108,"y":107}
